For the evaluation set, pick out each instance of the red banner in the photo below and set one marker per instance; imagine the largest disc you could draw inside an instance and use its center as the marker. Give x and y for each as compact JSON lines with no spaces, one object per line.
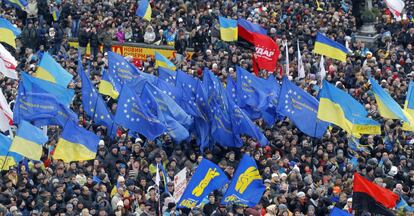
{"x":267,"y":52}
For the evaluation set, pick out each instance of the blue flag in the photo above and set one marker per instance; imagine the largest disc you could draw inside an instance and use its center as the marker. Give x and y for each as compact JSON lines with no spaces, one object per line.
{"x":168,"y":112}
{"x":207,"y":177}
{"x":187,"y":85}
{"x":167,"y":75}
{"x":246,"y":187}
{"x":93,"y":104}
{"x":35,"y":85}
{"x":339,"y":212}
{"x":202,"y":123}
{"x":120,"y":70}
{"x":221,"y":129}
{"x":301,"y":108}
{"x":403,"y":205}
{"x":134,"y":115}
{"x":41,"y":109}
{"x":170,"y":90}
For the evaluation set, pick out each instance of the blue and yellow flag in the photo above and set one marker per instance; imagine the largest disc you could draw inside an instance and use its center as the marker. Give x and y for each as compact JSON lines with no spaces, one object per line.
{"x":301,"y":108}
{"x":34,"y":85}
{"x":144,"y":10}
{"x":341,"y":109}
{"x":207,"y":177}
{"x":106,"y":87}
{"x":402,"y":205}
{"x":29,"y":141}
{"x":246,"y":187}
{"x":76,"y":144}
{"x":52,"y":71}
{"x":162,"y":61}
{"x":167,"y":75}
{"x":133,"y":114}
{"x":330,"y":48}
{"x":8,"y":33}
{"x":93,"y":104}
{"x":387,"y":106}
{"x":6,"y":157}
{"x":19,"y":4}
{"x":409,"y":107}
{"x":228,"y":29}
{"x":55,"y":14}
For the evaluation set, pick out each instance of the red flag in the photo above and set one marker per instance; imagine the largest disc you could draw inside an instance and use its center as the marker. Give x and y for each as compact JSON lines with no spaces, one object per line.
{"x":267,"y":52}
{"x":255,"y":66}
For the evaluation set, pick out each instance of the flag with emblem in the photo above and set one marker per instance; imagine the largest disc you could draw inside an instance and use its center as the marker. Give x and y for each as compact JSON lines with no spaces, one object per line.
{"x":187,"y":85}
{"x":120,"y":69}
{"x":301,"y":67}
{"x":93,"y":104}
{"x":167,"y":75}
{"x":202,"y":123}
{"x":301,"y":108}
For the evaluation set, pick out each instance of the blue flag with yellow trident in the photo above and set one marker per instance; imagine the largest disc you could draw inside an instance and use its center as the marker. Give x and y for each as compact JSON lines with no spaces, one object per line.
{"x":246,"y":187}
{"x":207,"y":177}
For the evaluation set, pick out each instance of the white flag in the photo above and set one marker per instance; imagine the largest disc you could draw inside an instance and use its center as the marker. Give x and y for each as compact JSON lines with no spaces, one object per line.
{"x":180,"y":183}
{"x":322,"y":72}
{"x":287,"y":59}
{"x":396,"y":7}
{"x":301,"y":67}
{"x":4,"y":123}
{"x":157,"y":177}
{"x":8,"y":63}
{"x":4,"y":106}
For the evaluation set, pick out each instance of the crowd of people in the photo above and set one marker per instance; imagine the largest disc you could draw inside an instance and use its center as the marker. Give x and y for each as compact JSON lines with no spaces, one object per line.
{"x":303,"y":175}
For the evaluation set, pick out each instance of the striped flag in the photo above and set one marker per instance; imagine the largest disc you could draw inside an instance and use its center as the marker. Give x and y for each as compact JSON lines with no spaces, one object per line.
{"x":395,"y":6}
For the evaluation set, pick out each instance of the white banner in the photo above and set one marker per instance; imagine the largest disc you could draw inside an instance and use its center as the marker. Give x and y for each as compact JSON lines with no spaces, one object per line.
{"x":180,"y":183}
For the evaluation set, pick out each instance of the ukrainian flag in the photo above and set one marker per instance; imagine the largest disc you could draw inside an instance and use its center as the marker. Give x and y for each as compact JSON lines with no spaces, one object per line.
{"x":55,"y":15}
{"x":19,"y":4}
{"x":106,"y":87}
{"x":387,"y":106}
{"x":29,"y":141}
{"x":7,"y":158}
{"x":76,"y":144}
{"x":330,"y":48}
{"x":144,"y":10}
{"x":228,"y":29}
{"x":8,"y":32}
{"x":409,"y":108}
{"x":339,"y":108}
{"x":162,"y":61}
{"x":52,"y":71}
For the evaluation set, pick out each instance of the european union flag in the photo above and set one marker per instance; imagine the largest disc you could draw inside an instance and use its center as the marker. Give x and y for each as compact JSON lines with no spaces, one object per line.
{"x":120,"y":69}
{"x":202,"y":124}
{"x":168,"y":112}
{"x":134,"y":115}
{"x":187,"y":85}
{"x":301,"y":108}
{"x":35,"y":85}
{"x":246,"y":187}
{"x":221,"y":126}
{"x":207,"y":177}
{"x":167,"y":75}
{"x":42,"y":109}
{"x":93,"y":104}
{"x":169,"y":90}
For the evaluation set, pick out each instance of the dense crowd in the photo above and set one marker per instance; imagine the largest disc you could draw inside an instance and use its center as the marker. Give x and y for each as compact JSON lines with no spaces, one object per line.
{"x":303,"y":175}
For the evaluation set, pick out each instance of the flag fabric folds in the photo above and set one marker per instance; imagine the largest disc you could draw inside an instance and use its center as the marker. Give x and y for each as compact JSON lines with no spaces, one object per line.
{"x":52,"y":71}
{"x":168,"y":112}
{"x":29,"y":141}
{"x":106,"y":87}
{"x":339,"y":212}
{"x":162,"y":61}
{"x":371,"y":197}
{"x":341,"y":109}
{"x":246,"y":30}
{"x":267,"y":52}
{"x":34,"y":85}
{"x":8,"y":32}
{"x":301,"y":108}
{"x":76,"y":144}
{"x":330,"y":48}
{"x":18,"y":4}
{"x":387,"y":106}
{"x":6,"y":157}
{"x":246,"y":187}
{"x":144,"y":10}
{"x":402,"y":205}
{"x":93,"y":104}
{"x":8,"y":63}
{"x":137,"y":117}
{"x":5,"y":108}
{"x":301,"y":67}
{"x":395,"y":6}
{"x":167,"y":75}
{"x":228,"y":29}
{"x":207,"y":177}
{"x":120,"y":70}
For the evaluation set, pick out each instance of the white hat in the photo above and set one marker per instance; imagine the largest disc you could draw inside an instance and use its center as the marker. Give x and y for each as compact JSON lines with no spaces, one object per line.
{"x":120,"y":203}
{"x":301,"y":194}
{"x":283,"y":175}
{"x":101,"y":142}
{"x":275,"y":175}
{"x":393,"y":171}
{"x":138,"y":140}
{"x":121,"y":179}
